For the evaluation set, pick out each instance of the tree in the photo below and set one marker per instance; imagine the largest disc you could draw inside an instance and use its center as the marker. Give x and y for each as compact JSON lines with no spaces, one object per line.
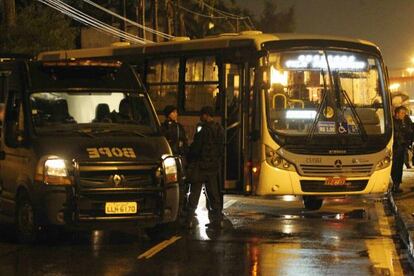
{"x":9,"y":12}
{"x":37,"y":29}
{"x":272,"y":21}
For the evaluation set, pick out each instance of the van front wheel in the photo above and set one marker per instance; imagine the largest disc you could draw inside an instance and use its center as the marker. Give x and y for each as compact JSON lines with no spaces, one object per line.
{"x":27,"y":229}
{"x":312,"y":203}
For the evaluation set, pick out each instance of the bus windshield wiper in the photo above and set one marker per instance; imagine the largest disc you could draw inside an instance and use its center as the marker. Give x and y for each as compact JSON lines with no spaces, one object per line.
{"x":356,"y":116}
{"x":312,"y":130}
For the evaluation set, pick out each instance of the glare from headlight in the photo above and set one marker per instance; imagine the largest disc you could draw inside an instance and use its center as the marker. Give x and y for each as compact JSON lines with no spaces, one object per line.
{"x":56,"y":167}
{"x":170,"y":168}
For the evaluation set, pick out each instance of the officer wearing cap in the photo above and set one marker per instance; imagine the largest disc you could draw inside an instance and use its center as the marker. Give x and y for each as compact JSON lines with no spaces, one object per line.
{"x":204,"y":159}
{"x":174,"y":132}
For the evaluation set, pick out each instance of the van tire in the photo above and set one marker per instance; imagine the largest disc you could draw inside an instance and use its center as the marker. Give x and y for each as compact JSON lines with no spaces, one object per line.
{"x":26,"y":226}
{"x":312,"y":203}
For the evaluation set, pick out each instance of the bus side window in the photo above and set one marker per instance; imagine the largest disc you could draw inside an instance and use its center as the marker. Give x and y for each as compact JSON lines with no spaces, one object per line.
{"x":201,"y":83}
{"x":162,"y":82}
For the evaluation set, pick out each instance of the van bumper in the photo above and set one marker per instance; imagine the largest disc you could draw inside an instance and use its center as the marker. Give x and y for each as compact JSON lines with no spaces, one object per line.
{"x":63,"y":206}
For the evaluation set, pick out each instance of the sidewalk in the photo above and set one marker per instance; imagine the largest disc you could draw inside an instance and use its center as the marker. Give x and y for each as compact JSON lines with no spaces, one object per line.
{"x":403,"y":205}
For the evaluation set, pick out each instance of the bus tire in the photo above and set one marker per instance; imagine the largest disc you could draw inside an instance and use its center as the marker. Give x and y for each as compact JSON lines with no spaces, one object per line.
{"x":26,"y":226}
{"x":312,"y":203}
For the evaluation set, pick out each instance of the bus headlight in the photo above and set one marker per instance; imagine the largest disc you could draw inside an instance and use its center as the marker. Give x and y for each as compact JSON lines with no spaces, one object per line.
{"x":384,"y":163}
{"x":170,"y":169}
{"x":53,"y":170}
{"x":277,"y":161}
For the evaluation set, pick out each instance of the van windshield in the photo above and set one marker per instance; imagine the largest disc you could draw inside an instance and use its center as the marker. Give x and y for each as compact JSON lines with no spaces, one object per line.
{"x":62,"y":112}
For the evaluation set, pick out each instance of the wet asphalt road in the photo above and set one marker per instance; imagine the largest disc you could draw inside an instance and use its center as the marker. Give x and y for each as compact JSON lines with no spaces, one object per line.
{"x":261,"y":237}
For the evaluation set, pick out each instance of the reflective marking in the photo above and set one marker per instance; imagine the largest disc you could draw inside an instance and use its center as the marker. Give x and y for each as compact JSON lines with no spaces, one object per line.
{"x":382,"y":251}
{"x":157,"y":248}
{"x":229,"y":203}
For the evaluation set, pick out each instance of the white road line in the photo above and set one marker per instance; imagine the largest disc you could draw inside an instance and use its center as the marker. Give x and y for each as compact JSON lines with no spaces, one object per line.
{"x":229,"y":203}
{"x":157,"y":248}
{"x":388,"y":258}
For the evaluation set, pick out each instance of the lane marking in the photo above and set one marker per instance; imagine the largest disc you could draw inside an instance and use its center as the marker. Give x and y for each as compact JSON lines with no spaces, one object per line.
{"x":159,"y":247}
{"x":383,"y":251}
{"x":229,"y":203}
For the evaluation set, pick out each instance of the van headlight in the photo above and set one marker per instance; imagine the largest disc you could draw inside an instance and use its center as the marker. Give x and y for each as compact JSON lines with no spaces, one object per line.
{"x":277,"y":161}
{"x":385,"y":162}
{"x":53,"y":170}
{"x":170,"y":169}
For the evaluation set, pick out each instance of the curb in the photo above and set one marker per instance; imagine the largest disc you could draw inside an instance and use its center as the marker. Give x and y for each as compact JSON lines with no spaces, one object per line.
{"x":405,"y":232}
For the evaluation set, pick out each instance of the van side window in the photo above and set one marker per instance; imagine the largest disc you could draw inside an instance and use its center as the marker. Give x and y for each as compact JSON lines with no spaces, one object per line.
{"x":3,"y":85}
{"x":14,"y":120}
{"x":162,"y":82}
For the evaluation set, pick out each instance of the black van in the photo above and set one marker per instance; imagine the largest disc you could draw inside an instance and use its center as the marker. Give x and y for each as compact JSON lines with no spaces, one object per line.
{"x":81,"y":147}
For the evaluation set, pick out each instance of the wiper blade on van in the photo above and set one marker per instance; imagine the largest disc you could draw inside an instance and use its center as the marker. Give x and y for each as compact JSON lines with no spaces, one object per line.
{"x":117,"y":130}
{"x":82,"y":132}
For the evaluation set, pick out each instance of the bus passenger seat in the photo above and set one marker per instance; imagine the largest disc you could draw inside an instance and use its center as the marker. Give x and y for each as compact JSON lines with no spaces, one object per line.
{"x":370,"y":120}
{"x":102,"y":113}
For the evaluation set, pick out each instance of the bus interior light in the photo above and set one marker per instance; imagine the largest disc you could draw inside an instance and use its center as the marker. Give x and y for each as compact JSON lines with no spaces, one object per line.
{"x":278,"y":77}
{"x":301,"y":114}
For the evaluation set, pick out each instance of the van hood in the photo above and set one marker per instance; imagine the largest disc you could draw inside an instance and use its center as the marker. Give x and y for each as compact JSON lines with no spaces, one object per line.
{"x":85,"y":149}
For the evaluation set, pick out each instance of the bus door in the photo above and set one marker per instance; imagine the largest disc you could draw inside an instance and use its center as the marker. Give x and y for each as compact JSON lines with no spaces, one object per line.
{"x":233,"y":124}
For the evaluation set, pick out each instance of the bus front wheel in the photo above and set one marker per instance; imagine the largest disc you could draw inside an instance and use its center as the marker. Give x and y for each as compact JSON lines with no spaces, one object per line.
{"x":312,"y":203}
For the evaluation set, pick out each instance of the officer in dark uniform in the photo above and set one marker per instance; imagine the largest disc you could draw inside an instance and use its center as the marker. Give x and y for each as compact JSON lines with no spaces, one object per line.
{"x":204,"y":159}
{"x":174,"y":131}
{"x":175,"y":134}
{"x":402,"y":135}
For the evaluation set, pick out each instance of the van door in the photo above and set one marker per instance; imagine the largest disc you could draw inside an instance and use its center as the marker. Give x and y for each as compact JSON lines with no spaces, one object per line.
{"x":15,"y":165}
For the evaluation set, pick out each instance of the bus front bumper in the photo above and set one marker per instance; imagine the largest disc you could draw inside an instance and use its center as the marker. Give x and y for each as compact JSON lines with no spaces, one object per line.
{"x":274,"y":181}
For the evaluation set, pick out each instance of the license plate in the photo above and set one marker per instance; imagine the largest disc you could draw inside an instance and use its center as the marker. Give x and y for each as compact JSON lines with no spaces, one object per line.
{"x":335,"y":181}
{"x":121,"y":208}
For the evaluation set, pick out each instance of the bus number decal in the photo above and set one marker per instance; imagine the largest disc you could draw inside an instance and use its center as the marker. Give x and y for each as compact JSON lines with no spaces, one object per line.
{"x":111,"y":152}
{"x":313,"y":160}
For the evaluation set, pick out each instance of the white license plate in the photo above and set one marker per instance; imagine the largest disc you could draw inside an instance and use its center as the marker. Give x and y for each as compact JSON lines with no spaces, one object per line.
{"x":121,"y":208}
{"x":335,"y":181}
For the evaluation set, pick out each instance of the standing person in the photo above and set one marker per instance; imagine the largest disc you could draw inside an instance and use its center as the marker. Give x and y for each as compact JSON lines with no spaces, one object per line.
{"x":175,"y":134}
{"x":407,"y":155}
{"x":174,"y":131}
{"x":402,"y":136}
{"x":205,"y":156}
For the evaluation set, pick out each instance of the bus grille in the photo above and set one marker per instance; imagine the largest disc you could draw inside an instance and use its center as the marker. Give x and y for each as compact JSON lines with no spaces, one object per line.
{"x":331,"y":170}
{"x":319,"y":186}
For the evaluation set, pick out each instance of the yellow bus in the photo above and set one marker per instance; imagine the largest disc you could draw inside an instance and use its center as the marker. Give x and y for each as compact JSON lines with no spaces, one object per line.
{"x":304,"y":115}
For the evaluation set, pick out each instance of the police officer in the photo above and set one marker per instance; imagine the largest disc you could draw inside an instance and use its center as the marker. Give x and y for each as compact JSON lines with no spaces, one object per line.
{"x":402,"y":135}
{"x":204,"y":166}
{"x":175,"y":134}
{"x":174,"y":131}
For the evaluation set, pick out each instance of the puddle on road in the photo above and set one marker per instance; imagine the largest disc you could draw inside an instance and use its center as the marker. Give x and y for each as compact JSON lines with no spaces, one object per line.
{"x":354,"y":214}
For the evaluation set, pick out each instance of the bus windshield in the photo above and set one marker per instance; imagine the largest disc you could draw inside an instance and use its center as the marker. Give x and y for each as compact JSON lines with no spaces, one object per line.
{"x":70,"y":112}
{"x":323,"y":93}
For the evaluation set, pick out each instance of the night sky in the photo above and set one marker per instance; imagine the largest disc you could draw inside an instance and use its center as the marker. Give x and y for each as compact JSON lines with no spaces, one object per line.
{"x":388,"y":23}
